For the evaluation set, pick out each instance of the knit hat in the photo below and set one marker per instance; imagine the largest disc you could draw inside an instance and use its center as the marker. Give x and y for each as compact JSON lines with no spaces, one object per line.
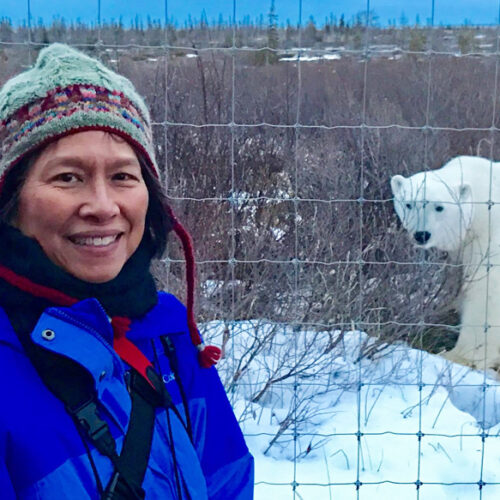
{"x":67,"y":92}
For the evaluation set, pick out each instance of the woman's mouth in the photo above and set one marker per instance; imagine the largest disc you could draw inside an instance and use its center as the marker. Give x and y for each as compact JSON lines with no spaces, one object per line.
{"x":94,"y":241}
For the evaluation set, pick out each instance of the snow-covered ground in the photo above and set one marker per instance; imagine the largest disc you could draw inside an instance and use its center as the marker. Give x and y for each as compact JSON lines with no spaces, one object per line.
{"x":390,"y":422}
{"x":324,"y":57}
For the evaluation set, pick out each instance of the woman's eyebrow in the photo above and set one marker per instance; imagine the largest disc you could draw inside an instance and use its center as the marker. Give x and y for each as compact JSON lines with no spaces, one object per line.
{"x":76,"y":161}
{"x":72,"y":161}
{"x":125,"y":162}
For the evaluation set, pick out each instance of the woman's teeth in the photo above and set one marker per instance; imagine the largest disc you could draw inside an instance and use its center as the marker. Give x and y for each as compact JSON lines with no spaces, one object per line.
{"x":95,"y":241}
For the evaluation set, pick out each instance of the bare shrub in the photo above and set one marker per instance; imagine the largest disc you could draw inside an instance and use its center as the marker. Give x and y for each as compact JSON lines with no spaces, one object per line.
{"x":301,"y":224}
{"x":282,"y":175}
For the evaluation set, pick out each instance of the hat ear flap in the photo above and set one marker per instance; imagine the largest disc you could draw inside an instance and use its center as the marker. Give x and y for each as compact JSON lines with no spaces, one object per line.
{"x":207,"y":355}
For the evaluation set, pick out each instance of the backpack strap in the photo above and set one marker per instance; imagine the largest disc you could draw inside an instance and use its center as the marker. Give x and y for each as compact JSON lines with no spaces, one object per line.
{"x":74,"y":386}
{"x":131,"y":465}
{"x":76,"y":390}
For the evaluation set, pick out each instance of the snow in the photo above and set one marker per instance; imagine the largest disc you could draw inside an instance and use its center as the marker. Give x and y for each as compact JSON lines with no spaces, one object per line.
{"x":324,"y":57}
{"x":212,"y":287}
{"x":417,"y":416}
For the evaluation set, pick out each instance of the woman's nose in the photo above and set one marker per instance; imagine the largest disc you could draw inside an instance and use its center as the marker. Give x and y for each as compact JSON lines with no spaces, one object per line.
{"x":99,"y":202}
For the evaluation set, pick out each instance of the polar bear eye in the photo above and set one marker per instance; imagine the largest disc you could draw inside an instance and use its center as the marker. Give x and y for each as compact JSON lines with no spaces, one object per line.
{"x":439,"y":208}
{"x":408,"y":206}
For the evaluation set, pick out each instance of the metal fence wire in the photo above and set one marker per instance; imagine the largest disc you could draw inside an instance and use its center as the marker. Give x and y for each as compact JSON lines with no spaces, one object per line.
{"x":277,"y":142}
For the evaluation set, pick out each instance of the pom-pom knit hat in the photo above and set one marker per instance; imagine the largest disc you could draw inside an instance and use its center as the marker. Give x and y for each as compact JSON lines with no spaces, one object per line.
{"x":68,"y":92}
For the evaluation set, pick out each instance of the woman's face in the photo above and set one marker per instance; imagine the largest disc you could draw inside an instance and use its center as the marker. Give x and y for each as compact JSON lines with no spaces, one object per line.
{"x":85,"y":201}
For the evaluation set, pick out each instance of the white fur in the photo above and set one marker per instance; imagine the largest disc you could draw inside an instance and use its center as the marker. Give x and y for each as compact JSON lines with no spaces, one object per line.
{"x":449,"y":209}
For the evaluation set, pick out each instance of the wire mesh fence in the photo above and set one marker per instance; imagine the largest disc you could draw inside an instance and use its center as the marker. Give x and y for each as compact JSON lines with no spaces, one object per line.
{"x":278,"y":143}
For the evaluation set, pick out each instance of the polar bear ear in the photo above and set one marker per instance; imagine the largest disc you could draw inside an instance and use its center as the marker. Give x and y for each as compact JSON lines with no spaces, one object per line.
{"x":465,"y":193}
{"x":397,"y":182}
{"x":466,"y":205}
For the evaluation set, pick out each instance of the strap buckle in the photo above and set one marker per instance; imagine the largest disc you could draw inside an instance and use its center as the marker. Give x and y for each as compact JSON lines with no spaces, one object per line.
{"x":96,"y":428}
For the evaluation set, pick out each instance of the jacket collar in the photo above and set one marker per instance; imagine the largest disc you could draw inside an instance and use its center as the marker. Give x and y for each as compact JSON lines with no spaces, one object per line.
{"x":83,"y":333}
{"x":168,"y":317}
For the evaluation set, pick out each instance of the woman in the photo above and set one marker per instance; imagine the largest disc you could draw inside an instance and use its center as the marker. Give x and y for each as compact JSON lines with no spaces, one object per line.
{"x":107,"y":386}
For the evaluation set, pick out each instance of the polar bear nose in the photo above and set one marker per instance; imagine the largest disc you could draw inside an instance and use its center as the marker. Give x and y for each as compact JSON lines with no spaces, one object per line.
{"x":422,"y":237}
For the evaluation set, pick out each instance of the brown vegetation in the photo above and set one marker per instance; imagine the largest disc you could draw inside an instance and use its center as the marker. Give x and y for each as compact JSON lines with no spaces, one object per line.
{"x":282,"y":174}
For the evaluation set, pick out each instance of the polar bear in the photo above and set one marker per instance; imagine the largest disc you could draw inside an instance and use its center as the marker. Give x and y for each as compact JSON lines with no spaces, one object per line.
{"x":457,"y":209}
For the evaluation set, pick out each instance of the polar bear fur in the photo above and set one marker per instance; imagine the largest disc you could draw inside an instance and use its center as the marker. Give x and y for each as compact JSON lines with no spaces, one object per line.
{"x":457,"y":209}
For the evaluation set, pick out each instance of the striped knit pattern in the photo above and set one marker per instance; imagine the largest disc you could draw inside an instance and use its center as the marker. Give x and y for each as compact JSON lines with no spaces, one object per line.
{"x":74,"y":108}
{"x":67,"y":92}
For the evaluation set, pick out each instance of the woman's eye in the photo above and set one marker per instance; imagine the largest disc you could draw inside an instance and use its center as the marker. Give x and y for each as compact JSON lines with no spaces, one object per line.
{"x":439,"y":208}
{"x":67,"y":178}
{"x":124,"y":176}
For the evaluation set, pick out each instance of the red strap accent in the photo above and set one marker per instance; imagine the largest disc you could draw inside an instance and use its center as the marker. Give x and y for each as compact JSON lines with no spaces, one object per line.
{"x":35,"y":289}
{"x":127,"y":350}
{"x":209,"y":356}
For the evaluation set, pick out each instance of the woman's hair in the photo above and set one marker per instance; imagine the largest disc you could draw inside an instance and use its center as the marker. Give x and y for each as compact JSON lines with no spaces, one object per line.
{"x":12,"y":186}
{"x":158,"y":220}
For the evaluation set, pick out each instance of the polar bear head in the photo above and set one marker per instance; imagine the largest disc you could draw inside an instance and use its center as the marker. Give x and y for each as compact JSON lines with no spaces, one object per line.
{"x":435,"y":213}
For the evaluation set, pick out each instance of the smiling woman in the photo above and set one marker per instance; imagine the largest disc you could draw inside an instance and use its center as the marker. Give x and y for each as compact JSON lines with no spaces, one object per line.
{"x":85,"y":201}
{"x":112,"y":393}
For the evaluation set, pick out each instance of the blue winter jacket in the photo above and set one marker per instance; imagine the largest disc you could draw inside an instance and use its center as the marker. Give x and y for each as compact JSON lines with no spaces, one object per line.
{"x":43,"y":455}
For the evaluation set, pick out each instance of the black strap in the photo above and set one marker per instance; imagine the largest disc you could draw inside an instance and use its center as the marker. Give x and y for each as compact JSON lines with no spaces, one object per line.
{"x":169,"y":350}
{"x":133,"y":461}
{"x":130,"y":466}
{"x":74,"y":386}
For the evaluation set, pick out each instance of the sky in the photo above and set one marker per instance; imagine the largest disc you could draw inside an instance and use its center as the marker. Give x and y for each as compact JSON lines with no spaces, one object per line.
{"x":446,"y":12}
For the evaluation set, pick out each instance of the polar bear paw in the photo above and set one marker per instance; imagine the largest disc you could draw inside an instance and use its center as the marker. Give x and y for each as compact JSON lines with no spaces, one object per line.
{"x":492,"y":367}
{"x":454,"y":356}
